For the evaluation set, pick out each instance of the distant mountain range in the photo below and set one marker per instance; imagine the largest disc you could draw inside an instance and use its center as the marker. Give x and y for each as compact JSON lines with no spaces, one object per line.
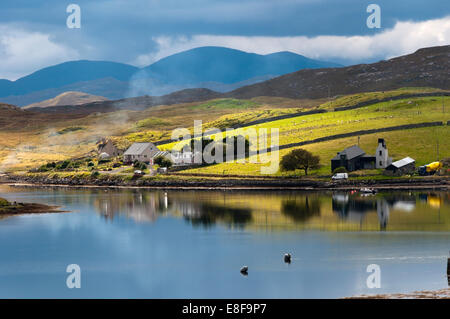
{"x":426,"y":67}
{"x":217,"y":68}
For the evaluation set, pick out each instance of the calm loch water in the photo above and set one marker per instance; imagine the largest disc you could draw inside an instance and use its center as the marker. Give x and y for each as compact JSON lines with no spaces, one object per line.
{"x":191,"y":244}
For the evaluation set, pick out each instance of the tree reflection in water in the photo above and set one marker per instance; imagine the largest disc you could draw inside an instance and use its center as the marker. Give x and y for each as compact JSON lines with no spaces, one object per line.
{"x":208,"y":214}
{"x":300,"y":209}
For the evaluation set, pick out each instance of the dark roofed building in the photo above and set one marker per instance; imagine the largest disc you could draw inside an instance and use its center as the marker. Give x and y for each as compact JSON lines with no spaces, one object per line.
{"x":353,"y":158}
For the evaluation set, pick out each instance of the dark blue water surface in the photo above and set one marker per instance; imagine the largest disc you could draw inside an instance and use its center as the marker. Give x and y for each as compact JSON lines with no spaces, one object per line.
{"x":191,"y":244}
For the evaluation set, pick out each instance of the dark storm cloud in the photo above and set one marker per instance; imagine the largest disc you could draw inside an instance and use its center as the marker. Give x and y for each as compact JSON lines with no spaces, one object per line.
{"x":122,"y":30}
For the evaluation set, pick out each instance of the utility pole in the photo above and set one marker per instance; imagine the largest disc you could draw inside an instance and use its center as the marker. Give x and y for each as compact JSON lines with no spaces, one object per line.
{"x":437,"y":148}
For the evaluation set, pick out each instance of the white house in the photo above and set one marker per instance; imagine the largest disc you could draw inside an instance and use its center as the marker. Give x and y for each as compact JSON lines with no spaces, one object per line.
{"x":183,"y":158}
{"x":143,"y":152}
{"x":186,"y":158}
{"x":381,"y":155}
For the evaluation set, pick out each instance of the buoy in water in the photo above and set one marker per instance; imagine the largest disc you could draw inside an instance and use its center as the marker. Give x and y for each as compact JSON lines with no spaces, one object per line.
{"x":287,"y":258}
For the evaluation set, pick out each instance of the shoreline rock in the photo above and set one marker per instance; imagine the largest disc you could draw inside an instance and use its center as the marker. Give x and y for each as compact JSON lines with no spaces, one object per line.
{"x":440,"y":183}
{"x":8,"y":209}
{"x":426,"y":294}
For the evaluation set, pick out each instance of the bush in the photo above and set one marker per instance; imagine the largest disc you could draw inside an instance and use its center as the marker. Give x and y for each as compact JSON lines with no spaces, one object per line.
{"x":63,"y":165}
{"x":166,"y":163}
{"x":139,"y":165}
{"x":4,"y":202}
{"x":75,"y":165}
{"x":158,"y":160}
{"x":51,"y":165}
{"x":90,"y":164}
{"x":43,"y":168}
{"x":95,"y":174}
{"x":340,"y":169}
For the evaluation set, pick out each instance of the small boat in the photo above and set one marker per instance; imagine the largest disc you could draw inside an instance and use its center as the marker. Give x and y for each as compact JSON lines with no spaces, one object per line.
{"x":366,"y":190}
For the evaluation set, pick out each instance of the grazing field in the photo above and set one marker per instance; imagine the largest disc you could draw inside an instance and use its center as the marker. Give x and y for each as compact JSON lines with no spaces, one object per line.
{"x":353,"y":99}
{"x":380,"y":115}
{"x":419,"y":144}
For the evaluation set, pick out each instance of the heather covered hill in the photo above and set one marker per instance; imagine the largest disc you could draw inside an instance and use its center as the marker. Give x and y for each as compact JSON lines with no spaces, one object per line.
{"x":428,"y":67}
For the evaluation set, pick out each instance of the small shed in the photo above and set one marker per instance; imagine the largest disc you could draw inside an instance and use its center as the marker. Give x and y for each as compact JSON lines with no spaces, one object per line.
{"x":406,"y":165}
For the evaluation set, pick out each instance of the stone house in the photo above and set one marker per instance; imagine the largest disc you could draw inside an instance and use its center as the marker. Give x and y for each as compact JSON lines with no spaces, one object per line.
{"x":108,"y":147}
{"x":143,"y":152}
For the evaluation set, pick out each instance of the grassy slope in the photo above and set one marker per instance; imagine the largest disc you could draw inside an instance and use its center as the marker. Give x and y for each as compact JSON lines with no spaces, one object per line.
{"x":378,"y":115}
{"x":28,"y":144}
{"x":352,"y":99}
{"x":420,"y":144}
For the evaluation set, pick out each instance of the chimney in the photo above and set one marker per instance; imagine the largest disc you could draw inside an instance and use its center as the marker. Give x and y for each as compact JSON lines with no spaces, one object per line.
{"x":381,"y":141}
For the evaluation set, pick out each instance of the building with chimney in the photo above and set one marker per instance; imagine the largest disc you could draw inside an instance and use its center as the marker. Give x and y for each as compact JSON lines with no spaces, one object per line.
{"x":382,"y":156}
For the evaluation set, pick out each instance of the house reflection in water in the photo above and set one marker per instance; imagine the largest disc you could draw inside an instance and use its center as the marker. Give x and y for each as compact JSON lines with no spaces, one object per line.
{"x":382,"y":212}
{"x":355,"y":207}
{"x":148,"y":206}
{"x":352,"y":208}
{"x":141,"y":207}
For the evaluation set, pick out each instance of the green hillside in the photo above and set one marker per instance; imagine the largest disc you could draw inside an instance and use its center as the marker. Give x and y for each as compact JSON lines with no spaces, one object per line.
{"x":38,"y":141}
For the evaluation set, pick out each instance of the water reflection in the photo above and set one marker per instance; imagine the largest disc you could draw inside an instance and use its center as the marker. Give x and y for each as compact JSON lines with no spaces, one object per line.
{"x":148,"y":206}
{"x":139,"y":206}
{"x":125,"y":241}
{"x":301,"y":209}
{"x":208,"y":214}
{"x":283,"y":210}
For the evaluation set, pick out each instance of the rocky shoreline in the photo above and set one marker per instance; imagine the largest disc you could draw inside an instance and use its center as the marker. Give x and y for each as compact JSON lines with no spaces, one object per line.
{"x":432,"y":294}
{"x":435,"y":183}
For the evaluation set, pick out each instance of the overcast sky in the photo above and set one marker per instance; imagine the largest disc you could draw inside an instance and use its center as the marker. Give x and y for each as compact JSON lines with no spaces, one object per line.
{"x":33,"y":34}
